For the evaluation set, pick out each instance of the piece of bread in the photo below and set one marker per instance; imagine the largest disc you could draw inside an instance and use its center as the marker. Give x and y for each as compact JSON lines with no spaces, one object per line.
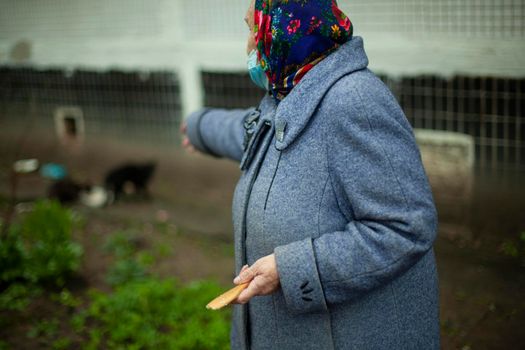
{"x":226,"y":298}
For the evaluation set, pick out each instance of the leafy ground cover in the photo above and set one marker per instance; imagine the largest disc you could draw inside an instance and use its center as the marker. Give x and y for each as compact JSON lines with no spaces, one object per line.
{"x":43,"y":306}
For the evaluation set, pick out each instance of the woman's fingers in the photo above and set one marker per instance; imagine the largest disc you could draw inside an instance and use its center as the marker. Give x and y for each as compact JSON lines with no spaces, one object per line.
{"x":263,"y":278}
{"x":240,"y":272}
{"x":260,"y":285}
{"x":187,"y":144}
{"x":185,"y":140}
{"x":253,"y":289}
{"x":244,"y":268}
{"x":246,"y":275}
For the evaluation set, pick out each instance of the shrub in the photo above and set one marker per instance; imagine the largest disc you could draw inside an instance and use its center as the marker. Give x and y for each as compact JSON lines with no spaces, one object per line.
{"x":40,"y":247}
{"x":17,"y":296}
{"x":12,"y":258}
{"x":156,"y":314}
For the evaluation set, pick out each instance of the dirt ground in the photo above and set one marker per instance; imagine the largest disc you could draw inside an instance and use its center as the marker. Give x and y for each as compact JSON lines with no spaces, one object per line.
{"x":188,"y":220}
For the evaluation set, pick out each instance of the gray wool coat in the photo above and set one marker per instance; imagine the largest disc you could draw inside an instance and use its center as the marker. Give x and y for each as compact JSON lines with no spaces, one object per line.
{"x":332,"y":183}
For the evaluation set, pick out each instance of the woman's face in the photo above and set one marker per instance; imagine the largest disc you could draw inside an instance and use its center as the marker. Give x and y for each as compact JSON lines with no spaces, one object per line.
{"x":249,"y":19}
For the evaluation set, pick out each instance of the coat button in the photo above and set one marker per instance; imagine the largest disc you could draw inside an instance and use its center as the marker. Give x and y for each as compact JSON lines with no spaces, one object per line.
{"x":280,"y":125}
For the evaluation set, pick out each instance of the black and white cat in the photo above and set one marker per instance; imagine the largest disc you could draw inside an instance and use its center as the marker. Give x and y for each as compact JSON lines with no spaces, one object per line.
{"x":123,"y":180}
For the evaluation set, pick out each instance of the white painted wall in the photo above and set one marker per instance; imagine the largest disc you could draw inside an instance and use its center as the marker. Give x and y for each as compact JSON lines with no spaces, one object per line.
{"x":402,"y":37}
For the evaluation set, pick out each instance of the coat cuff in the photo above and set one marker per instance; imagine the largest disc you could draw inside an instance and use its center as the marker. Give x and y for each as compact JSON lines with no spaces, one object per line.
{"x":193,"y":130}
{"x":299,"y":277}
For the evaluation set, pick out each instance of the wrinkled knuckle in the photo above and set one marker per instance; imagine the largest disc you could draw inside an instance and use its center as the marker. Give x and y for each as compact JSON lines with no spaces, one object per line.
{"x":244,"y":275}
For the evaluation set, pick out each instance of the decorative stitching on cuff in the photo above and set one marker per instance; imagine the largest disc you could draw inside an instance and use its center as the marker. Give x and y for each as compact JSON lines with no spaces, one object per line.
{"x":300,"y":281}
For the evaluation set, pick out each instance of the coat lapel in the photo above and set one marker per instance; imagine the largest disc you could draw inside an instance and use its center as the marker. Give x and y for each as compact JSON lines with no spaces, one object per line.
{"x":294,"y":111}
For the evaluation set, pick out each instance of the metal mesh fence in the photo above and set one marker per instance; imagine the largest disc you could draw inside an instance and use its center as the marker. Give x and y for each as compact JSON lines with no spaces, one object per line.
{"x":146,"y":103}
{"x":120,"y":104}
{"x":451,"y":18}
{"x":215,"y":20}
{"x":489,"y":109}
{"x":71,"y":20}
{"x":230,"y":90}
{"x":147,"y":107}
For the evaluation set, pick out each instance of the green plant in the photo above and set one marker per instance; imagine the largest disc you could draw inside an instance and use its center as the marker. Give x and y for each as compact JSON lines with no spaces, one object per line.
{"x":163,"y":250}
{"x":50,"y":251}
{"x":12,"y":257}
{"x":130,"y":265}
{"x":124,"y":271}
{"x":65,"y":298}
{"x":40,"y":247}
{"x":37,"y":249}
{"x":509,"y":248}
{"x":44,"y":328}
{"x":122,"y":244}
{"x":18,"y":296}
{"x":156,"y":314}
{"x":61,"y":344}
{"x":514,"y":248}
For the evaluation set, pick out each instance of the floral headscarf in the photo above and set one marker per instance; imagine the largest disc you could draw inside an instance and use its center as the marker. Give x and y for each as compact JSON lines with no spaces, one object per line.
{"x":294,"y":35}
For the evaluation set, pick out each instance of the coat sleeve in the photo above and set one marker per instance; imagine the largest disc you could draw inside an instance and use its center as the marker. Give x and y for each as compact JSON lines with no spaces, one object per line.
{"x":376,"y":173}
{"x":218,"y":132}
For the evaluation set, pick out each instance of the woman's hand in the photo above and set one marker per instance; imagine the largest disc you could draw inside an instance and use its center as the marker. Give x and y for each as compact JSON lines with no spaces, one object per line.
{"x":185,"y":140}
{"x":263,"y":277}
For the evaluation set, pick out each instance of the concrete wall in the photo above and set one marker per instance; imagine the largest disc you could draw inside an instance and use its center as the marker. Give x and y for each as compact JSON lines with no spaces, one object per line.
{"x":449,"y":158}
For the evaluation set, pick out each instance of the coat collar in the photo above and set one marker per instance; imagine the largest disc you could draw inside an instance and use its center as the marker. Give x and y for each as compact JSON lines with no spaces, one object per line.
{"x":296,"y":109}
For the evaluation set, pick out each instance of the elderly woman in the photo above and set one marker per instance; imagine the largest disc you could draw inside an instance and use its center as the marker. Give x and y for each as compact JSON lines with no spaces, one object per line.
{"x":333,"y":215}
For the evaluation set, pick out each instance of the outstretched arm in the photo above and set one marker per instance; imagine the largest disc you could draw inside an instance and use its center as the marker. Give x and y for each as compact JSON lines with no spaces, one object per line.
{"x":218,"y":132}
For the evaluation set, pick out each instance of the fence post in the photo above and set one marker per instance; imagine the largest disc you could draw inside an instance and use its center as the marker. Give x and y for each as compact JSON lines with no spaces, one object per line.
{"x":192,"y":96}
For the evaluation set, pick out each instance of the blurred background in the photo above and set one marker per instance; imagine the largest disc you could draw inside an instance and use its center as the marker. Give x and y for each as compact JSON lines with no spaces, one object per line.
{"x":92,"y":94}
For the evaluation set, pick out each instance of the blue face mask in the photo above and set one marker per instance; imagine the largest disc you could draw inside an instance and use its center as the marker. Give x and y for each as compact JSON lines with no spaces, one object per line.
{"x":256,"y":72}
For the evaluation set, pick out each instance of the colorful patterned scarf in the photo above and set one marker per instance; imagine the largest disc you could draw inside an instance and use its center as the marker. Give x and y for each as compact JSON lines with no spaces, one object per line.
{"x":292,"y":36}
